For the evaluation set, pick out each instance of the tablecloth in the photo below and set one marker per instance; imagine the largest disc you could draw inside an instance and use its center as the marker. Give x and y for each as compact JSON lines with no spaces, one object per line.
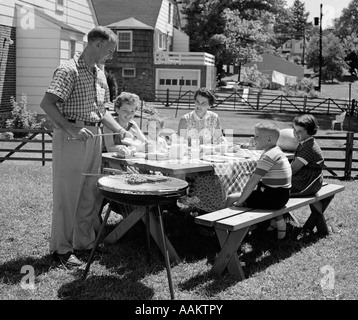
{"x":228,"y":177}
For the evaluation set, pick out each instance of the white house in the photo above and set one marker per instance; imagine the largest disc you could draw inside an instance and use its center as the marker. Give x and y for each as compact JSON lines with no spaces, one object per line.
{"x":293,"y":48}
{"x":157,"y":57}
{"x":44,"y":34}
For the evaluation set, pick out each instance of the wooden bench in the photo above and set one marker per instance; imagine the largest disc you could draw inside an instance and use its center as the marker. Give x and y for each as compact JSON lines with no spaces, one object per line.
{"x":232,"y":224}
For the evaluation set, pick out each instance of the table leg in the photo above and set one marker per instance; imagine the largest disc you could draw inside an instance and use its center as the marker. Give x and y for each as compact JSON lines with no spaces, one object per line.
{"x":155,"y":231}
{"x":103,"y":224}
{"x":228,"y":258}
{"x":166,"y":256}
{"x":147,"y":229}
{"x":104,"y":202}
{"x":125,"y":225}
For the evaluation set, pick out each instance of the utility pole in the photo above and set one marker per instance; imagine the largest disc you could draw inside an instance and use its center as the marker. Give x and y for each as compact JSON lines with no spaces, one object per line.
{"x":320,"y":46}
{"x":320,"y":50}
{"x":304,"y":45}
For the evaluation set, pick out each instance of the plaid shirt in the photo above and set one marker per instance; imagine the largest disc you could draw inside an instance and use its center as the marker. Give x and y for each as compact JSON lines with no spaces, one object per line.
{"x":84,"y":92}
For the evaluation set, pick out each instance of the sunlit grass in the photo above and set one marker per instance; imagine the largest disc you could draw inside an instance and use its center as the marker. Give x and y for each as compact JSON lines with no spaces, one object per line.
{"x":288,"y":271}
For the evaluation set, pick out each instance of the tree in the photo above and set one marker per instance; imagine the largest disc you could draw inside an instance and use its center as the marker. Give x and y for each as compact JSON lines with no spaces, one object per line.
{"x":347,"y":23}
{"x":292,"y":24}
{"x":255,"y":9}
{"x":299,"y":19}
{"x":245,"y":40}
{"x":206,"y":22}
{"x":350,"y":45}
{"x":204,"y":19}
{"x":333,"y":54}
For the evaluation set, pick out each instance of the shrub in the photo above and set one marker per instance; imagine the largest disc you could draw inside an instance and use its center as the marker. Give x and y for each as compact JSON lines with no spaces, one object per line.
{"x":297,"y":59}
{"x":306,"y":85}
{"x":21,"y":118}
{"x":303,"y":88}
{"x":254,"y":78}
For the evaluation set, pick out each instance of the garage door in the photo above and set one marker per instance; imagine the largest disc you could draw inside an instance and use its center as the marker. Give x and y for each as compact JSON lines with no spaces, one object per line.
{"x":172,"y":79}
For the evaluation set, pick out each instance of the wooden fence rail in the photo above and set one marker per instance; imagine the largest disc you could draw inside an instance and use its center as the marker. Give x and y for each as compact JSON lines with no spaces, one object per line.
{"x":30,"y":138}
{"x":256,"y":100}
{"x":334,"y":152}
{"x":336,"y":149}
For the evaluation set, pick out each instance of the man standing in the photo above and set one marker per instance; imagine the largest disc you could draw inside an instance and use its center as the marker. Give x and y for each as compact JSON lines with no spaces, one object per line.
{"x":75,"y":101}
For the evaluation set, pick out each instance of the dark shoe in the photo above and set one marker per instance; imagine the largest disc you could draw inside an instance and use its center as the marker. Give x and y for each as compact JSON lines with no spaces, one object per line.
{"x":68,"y":259}
{"x":85,"y":254}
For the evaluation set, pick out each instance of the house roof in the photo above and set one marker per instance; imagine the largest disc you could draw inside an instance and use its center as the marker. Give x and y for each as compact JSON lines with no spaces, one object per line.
{"x":130,"y":23}
{"x":110,"y":11}
{"x":55,"y":21}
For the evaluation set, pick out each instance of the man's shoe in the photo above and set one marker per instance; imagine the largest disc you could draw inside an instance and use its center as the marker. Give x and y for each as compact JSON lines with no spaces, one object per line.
{"x":68,"y":259}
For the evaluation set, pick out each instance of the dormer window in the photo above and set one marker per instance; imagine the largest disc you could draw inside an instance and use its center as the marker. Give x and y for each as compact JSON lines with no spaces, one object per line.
{"x":125,"y":40}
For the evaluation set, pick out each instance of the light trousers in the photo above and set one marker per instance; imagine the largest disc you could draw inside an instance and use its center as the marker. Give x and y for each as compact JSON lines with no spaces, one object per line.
{"x":76,"y":198}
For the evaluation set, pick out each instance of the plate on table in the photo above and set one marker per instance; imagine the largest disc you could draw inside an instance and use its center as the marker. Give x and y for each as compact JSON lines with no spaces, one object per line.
{"x":236,"y":156}
{"x":156,"y":156}
{"x":213,"y":158}
{"x":139,"y":155}
{"x":230,"y":154}
{"x":243,"y":154}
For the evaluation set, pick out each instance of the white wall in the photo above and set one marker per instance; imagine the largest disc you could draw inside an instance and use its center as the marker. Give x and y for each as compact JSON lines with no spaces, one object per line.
{"x":37,"y":56}
{"x":180,"y":41}
{"x":7,"y":13}
{"x":162,"y":21}
{"x":42,"y":45}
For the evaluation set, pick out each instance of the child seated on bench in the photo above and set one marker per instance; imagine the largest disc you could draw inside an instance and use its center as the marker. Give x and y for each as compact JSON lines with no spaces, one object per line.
{"x":271,"y":178}
{"x":307,"y":164}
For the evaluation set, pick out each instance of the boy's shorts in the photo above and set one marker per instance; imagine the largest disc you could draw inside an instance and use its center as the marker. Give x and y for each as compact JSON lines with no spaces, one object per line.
{"x":264,"y":197}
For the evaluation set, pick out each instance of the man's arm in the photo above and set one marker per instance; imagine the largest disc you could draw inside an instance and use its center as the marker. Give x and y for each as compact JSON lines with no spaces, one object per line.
{"x":49,"y":105}
{"x":111,"y":123}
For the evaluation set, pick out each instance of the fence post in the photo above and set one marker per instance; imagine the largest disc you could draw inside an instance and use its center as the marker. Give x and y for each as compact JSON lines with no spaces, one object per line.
{"x":349,"y":155}
{"x":329,"y":104}
{"x":258,"y":101}
{"x":167,"y":102}
{"x":43,"y":148}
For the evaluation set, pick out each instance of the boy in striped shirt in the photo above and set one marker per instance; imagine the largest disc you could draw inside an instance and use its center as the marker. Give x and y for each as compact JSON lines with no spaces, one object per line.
{"x":270,"y":184}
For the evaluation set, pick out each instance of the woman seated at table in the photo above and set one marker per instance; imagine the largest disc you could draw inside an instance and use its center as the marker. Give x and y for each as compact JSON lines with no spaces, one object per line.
{"x":201,"y":123}
{"x":125,"y":105}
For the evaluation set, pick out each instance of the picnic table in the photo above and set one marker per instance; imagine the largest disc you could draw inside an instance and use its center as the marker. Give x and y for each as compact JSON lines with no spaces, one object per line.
{"x":226,"y":174}
{"x":229,"y":174}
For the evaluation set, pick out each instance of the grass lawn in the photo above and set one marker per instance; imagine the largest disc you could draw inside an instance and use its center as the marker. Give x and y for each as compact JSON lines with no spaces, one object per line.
{"x":293,"y":270}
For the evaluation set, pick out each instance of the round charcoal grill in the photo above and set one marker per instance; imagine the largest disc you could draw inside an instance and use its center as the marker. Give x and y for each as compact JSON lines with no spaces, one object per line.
{"x":151,"y":190}
{"x":157,"y":190}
